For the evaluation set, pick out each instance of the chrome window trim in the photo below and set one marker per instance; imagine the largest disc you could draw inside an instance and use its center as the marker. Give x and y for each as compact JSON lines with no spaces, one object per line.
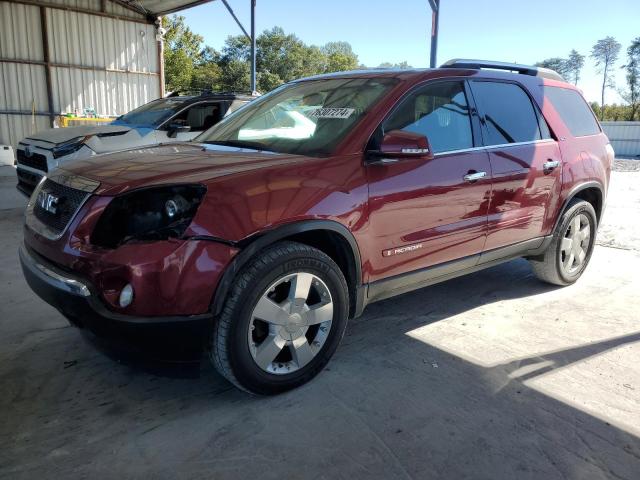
{"x":72,"y":181}
{"x":491,"y":147}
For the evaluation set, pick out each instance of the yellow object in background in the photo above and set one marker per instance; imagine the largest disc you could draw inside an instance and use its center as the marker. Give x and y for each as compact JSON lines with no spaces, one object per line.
{"x":64,"y":121}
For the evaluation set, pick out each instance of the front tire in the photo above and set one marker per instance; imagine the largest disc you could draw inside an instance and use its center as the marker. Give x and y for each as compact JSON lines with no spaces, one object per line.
{"x":282,"y":321}
{"x":568,"y":254}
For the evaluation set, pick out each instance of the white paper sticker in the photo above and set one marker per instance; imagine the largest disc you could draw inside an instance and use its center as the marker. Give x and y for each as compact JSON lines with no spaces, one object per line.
{"x":331,"y":112}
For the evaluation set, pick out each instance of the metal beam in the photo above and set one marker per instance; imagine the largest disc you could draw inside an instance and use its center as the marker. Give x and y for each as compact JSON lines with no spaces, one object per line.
{"x":83,"y":10}
{"x":236,"y":19}
{"x":253,"y":47}
{"x":47,"y":63}
{"x":160,"y":43}
{"x":435,"y":18}
{"x":24,"y":112}
{"x":71,"y":65}
{"x":251,"y":37}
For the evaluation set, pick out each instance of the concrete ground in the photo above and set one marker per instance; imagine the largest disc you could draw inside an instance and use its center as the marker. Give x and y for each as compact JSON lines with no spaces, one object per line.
{"x":494,"y":375}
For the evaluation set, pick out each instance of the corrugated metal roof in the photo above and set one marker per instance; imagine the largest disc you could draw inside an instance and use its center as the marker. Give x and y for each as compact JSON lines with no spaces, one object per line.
{"x":163,"y":7}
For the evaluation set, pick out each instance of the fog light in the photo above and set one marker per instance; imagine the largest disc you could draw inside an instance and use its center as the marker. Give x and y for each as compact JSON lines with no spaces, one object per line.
{"x":126,"y":296}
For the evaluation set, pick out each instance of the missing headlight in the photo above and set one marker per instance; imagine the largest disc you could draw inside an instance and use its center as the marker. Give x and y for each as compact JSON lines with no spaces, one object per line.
{"x":155,"y":213}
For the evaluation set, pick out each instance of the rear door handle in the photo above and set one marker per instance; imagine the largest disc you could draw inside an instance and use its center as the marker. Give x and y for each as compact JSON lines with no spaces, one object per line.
{"x":550,"y":165}
{"x":474,"y":176}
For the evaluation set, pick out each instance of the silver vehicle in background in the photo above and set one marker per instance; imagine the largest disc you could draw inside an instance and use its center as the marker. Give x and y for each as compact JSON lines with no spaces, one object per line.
{"x":176,"y":118}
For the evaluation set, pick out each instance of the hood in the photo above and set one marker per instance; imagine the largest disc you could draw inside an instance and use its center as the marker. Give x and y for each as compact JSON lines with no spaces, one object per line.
{"x":61,"y":135}
{"x":170,"y":164}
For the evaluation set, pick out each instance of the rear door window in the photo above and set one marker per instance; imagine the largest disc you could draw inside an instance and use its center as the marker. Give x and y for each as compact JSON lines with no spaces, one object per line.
{"x":440,"y":112}
{"x":508,"y":114}
{"x":573,"y":110}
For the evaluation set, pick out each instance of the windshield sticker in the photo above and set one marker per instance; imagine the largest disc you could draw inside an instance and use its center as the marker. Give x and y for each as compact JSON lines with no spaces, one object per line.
{"x":331,"y":112}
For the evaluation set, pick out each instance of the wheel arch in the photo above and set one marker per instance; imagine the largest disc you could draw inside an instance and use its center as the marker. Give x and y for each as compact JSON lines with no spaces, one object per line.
{"x":329,"y":236}
{"x":591,"y":192}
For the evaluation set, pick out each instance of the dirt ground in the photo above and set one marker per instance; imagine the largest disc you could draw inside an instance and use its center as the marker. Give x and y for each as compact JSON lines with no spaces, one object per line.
{"x":494,"y":375}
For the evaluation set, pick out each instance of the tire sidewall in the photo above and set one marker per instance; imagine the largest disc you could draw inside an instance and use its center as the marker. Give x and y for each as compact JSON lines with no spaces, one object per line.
{"x":585,"y":208}
{"x":246,"y":371}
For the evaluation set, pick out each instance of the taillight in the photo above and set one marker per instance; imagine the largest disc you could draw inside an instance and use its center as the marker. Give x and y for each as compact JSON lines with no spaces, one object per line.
{"x":611,"y":155}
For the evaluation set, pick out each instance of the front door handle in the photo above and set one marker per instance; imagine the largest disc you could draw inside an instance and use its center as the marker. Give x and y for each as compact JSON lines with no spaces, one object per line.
{"x":550,"y":165}
{"x":474,"y":176}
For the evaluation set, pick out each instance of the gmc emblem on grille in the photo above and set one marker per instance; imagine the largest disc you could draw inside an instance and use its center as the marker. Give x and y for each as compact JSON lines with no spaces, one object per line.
{"x":48,"y":202}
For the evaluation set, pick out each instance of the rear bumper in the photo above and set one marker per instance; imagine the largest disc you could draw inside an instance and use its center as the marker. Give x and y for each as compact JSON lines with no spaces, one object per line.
{"x":180,"y":338}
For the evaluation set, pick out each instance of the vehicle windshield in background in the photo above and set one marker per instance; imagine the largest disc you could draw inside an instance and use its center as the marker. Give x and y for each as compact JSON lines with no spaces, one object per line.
{"x":151,"y":114}
{"x":306,"y":118}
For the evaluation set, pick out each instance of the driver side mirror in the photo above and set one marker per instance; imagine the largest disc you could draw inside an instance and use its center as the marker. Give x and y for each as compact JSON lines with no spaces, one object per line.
{"x":398,"y":144}
{"x":176,"y":128}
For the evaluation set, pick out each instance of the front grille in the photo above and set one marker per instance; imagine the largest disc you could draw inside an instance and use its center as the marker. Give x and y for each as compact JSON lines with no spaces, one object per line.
{"x":27,"y":181}
{"x":68,"y":201}
{"x":36,"y":160}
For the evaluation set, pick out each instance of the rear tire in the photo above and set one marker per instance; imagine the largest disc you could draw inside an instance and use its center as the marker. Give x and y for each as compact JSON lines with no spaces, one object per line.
{"x":282,"y":321}
{"x":568,"y":254}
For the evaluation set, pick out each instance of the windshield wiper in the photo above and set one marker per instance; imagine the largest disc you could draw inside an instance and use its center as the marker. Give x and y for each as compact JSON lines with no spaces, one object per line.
{"x":239,"y":144}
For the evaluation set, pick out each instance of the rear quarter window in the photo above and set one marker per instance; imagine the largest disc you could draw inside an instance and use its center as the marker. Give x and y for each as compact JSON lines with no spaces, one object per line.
{"x":573,"y":110}
{"x":509,"y":116}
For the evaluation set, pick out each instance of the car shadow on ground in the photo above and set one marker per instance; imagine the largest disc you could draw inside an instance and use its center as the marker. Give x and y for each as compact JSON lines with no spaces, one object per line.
{"x":387,"y":406}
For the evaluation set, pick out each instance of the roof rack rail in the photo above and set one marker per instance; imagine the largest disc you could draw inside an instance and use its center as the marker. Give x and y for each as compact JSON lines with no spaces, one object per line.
{"x":511,"y":67}
{"x":206,"y":91}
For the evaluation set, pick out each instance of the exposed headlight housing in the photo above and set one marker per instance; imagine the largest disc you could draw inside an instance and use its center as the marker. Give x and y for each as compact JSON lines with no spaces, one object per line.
{"x":69,"y":147}
{"x":154,"y":213}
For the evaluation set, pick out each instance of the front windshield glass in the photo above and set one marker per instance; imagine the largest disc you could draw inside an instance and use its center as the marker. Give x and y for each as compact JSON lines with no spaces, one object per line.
{"x":152,"y":113}
{"x":306,"y":118}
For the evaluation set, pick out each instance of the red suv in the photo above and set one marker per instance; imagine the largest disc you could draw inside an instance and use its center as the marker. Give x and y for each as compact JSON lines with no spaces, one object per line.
{"x":258,"y":241}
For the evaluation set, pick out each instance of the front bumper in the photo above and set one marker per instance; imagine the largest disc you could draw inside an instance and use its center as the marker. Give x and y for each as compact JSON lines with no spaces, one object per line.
{"x":179,"y":338}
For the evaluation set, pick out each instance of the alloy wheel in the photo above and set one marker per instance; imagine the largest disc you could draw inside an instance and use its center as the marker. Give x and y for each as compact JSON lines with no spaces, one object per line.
{"x":575,"y":244}
{"x":290,"y":323}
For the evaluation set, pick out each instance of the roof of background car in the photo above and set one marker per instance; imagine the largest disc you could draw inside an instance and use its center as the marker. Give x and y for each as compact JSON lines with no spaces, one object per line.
{"x":213,"y":96}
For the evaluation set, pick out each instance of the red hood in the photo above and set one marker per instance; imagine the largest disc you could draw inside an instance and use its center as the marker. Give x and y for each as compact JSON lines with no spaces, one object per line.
{"x":173,"y":163}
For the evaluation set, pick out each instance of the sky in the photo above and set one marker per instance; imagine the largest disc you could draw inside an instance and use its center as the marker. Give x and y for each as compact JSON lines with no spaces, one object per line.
{"x":523,"y":31}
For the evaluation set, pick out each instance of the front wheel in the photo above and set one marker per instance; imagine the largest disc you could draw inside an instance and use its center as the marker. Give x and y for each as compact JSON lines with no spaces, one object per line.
{"x":568,"y":254}
{"x":283,"y":320}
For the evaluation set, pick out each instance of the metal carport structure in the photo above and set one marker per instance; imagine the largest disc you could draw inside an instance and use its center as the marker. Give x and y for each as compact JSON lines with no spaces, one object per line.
{"x":66,"y":55}
{"x":60,"y":56}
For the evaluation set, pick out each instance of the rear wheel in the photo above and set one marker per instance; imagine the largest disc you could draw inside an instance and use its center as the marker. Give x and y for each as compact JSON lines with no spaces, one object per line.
{"x":283,"y":320}
{"x":567,"y":256}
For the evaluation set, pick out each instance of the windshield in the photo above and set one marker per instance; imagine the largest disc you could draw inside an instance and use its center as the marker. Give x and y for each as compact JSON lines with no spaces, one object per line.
{"x":306,"y":118}
{"x":152,"y":113}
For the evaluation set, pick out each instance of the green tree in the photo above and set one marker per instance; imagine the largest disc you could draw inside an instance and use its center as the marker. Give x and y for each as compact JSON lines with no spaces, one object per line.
{"x":280,"y":58}
{"x":575,"y":62}
{"x":632,"y":94}
{"x":340,"y":57}
{"x":207,"y":73}
{"x":182,"y":51}
{"x":235,"y":76}
{"x":557,"y":64}
{"x":402,"y":65}
{"x":605,"y":53}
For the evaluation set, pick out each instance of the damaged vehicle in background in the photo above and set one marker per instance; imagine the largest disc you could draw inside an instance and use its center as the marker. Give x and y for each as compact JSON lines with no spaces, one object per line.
{"x":176,"y":118}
